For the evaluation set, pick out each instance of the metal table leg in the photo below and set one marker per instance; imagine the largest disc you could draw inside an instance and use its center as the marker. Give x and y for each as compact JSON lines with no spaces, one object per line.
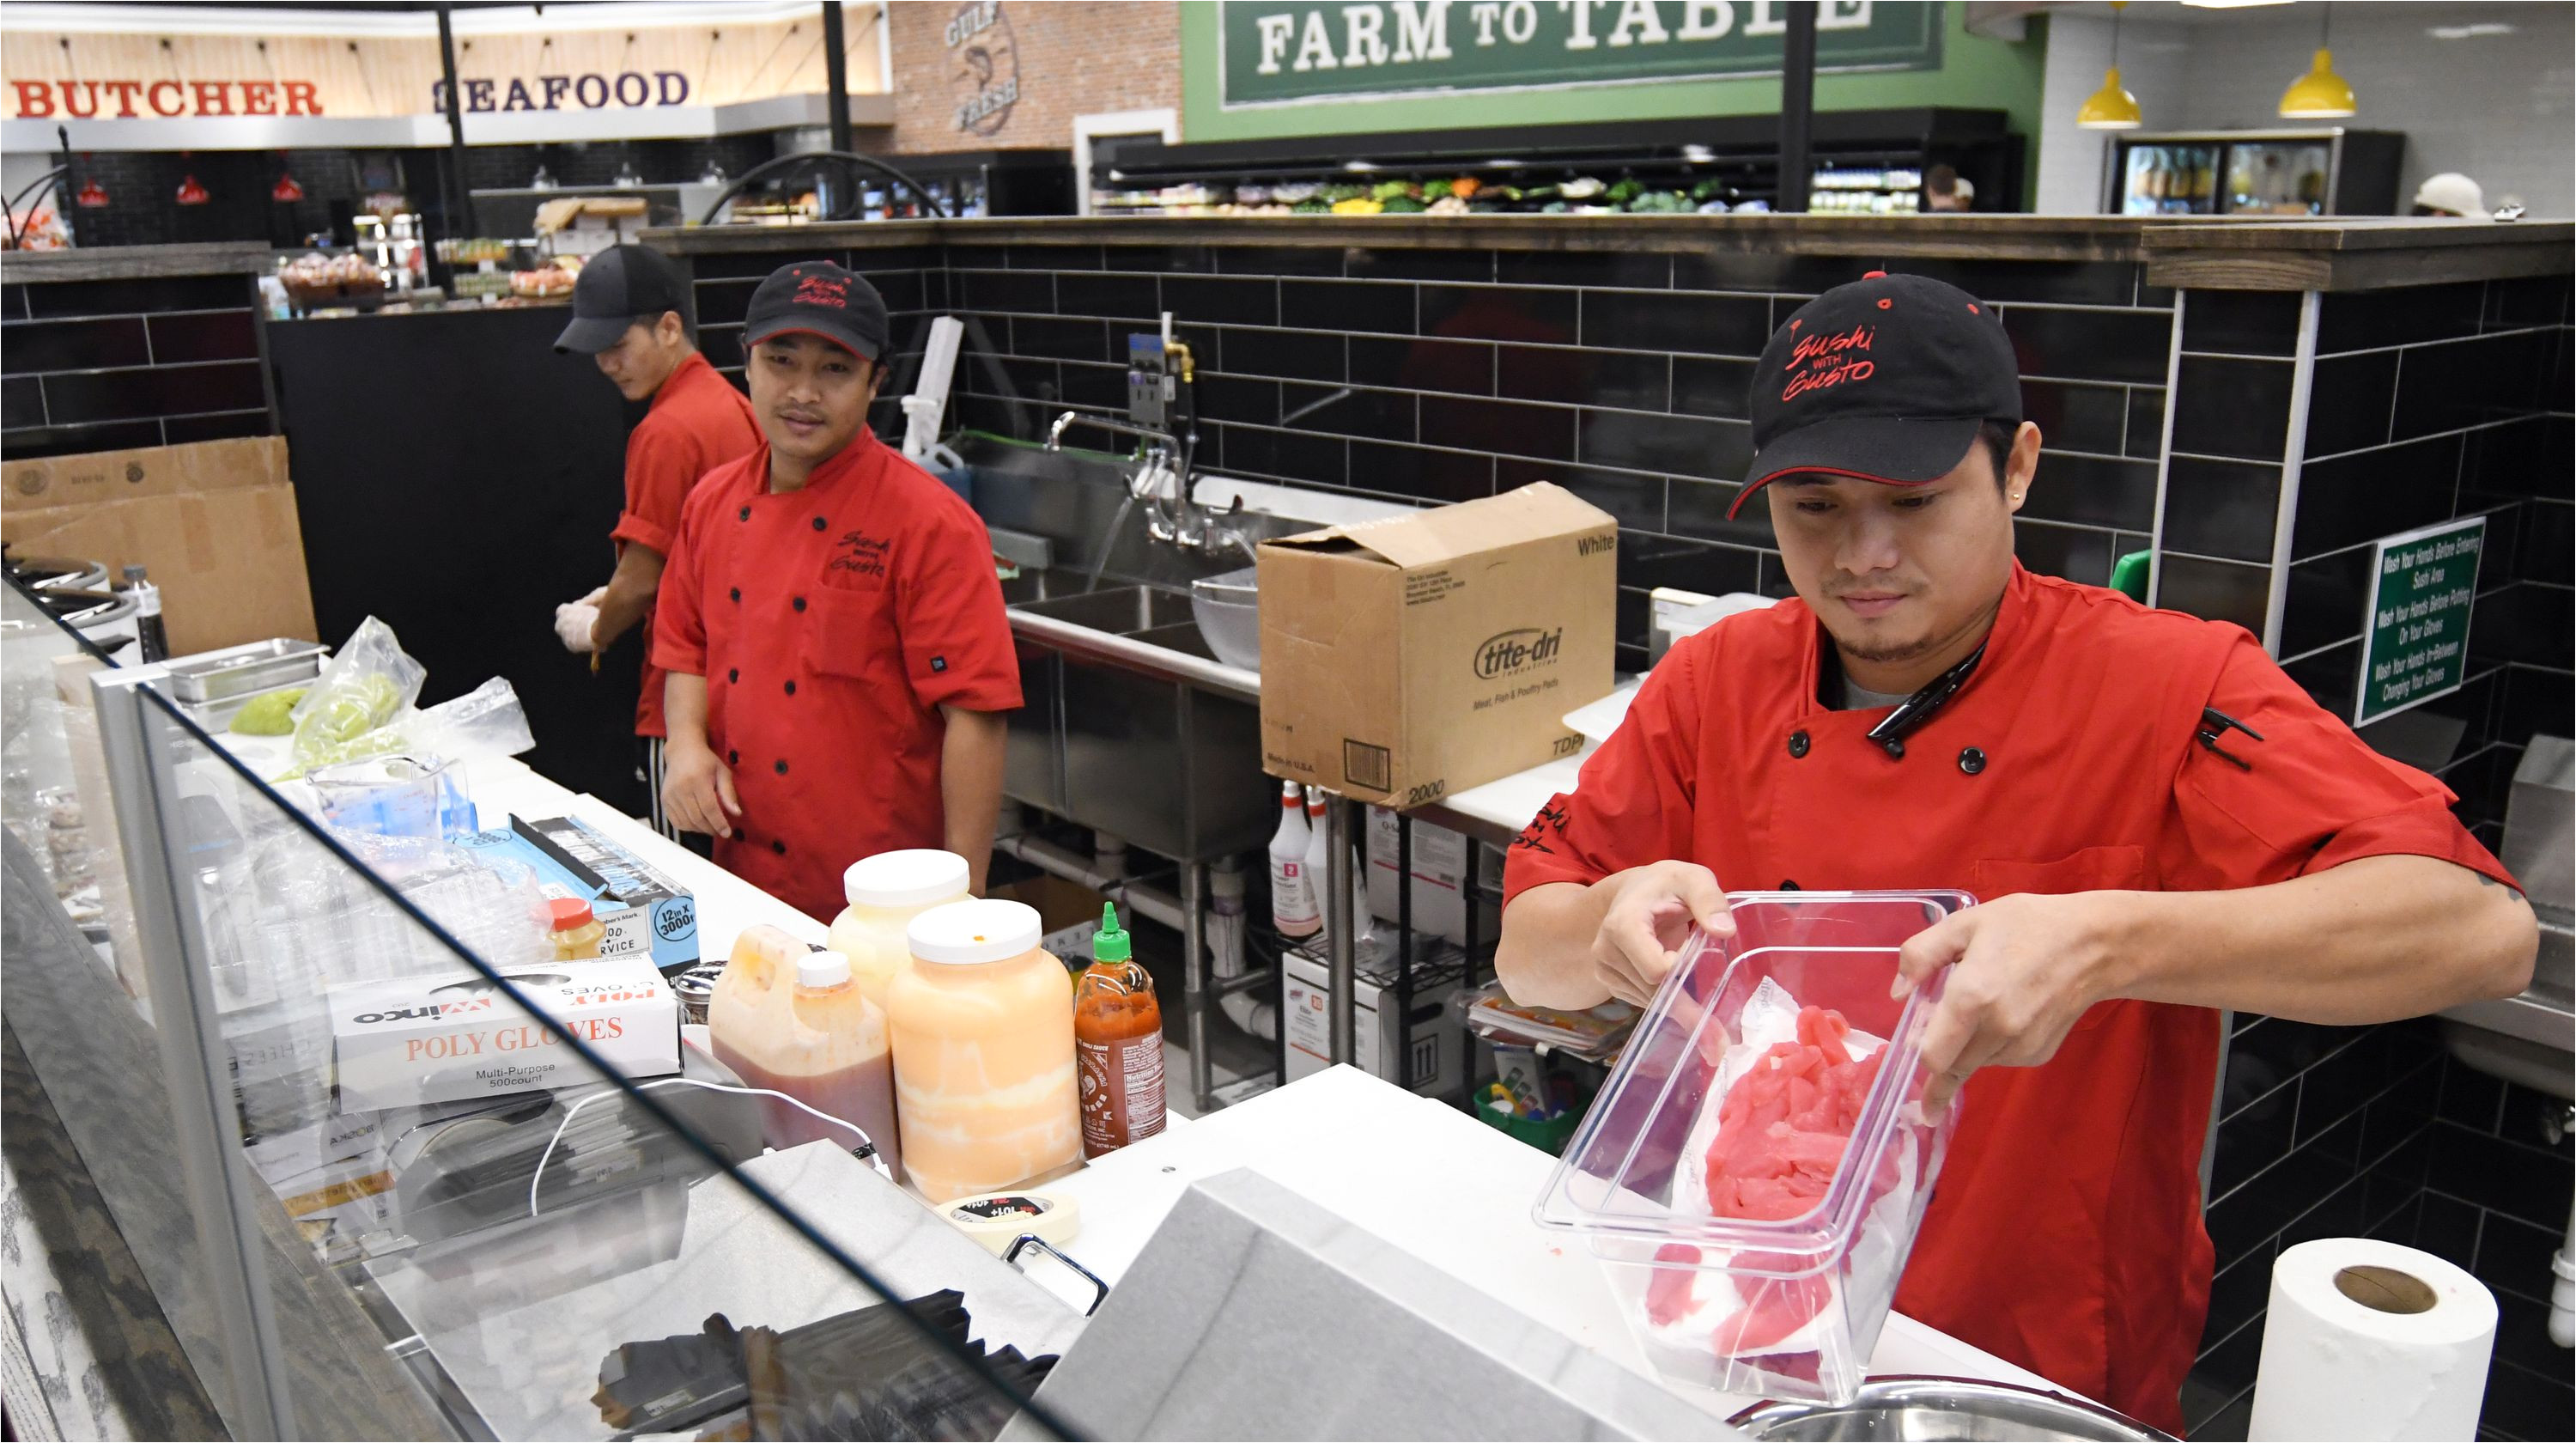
{"x":1340,"y":946}
{"x":1197,"y":997}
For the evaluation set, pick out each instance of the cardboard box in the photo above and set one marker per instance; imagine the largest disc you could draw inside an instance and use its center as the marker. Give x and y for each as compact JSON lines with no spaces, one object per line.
{"x":647,"y":914}
{"x":1408,"y":658}
{"x":1434,"y":1039}
{"x":438,"y":1039}
{"x":213,"y":520}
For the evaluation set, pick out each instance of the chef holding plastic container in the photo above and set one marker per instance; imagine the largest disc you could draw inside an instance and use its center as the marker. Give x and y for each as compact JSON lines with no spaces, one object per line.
{"x":838,"y":654}
{"x":2160,"y":823}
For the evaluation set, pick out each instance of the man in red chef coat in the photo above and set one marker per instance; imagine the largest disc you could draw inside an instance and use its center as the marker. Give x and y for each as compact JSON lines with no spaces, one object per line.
{"x":839,"y":659}
{"x":630,"y":316}
{"x":2160,"y":822}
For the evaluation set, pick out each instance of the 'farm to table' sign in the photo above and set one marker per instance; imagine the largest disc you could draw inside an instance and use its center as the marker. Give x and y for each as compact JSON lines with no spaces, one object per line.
{"x":1280,"y":52}
{"x":2415,"y":638}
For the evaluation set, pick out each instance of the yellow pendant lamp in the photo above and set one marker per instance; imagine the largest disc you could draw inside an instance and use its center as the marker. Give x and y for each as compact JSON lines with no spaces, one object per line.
{"x":2320,"y":94}
{"x":2112,"y":107}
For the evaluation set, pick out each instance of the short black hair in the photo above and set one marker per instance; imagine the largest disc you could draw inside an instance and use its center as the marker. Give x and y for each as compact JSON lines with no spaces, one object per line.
{"x":1998,"y":436}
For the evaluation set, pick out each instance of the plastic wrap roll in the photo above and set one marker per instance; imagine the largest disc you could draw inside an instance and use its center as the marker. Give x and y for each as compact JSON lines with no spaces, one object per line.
{"x":2368,"y":1340}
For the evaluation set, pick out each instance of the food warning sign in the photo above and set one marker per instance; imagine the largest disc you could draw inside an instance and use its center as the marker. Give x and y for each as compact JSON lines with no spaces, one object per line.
{"x":2415,"y":637}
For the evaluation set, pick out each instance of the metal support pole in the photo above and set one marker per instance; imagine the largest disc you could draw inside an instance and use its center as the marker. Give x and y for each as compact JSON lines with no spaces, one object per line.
{"x":1797,"y":107}
{"x":456,"y":207}
{"x":1341,"y":941}
{"x":836,"y":75}
{"x":196,"y":1061}
{"x":1194,"y":984}
{"x":1404,"y":1077}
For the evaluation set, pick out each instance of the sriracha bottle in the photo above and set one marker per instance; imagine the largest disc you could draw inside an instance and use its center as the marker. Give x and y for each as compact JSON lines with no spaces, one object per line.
{"x":1118,"y":1044}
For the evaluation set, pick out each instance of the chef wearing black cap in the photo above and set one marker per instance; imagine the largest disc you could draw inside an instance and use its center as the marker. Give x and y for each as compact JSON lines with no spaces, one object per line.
{"x":839,"y":659}
{"x":2160,"y":823}
{"x":630,"y":313}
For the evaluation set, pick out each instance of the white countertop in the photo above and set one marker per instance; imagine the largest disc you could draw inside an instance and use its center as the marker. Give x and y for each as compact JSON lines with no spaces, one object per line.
{"x":1436,"y":1183}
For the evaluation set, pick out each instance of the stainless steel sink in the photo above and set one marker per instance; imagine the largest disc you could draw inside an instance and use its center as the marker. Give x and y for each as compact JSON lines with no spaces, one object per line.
{"x":1118,"y":610}
{"x":2531,"y":1039}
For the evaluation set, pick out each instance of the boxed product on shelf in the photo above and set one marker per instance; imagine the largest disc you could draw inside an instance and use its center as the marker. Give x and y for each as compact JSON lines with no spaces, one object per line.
{"x":1439,"y":874}
{"x":646,"y":913}
{"x":438,"y":1039}
{"x":1429,"y":1045}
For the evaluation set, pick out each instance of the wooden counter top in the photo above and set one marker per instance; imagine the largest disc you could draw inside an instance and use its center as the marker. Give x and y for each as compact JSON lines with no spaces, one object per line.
{"x":116,"y":263}
{"x":2199,"y":252}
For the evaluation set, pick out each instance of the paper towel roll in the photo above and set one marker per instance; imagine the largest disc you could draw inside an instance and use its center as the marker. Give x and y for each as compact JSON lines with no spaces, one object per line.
{"x":2368,"y":1340}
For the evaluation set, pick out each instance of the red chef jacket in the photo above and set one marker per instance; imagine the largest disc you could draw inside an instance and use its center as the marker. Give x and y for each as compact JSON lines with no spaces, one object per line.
{"x":697,"y":422}
{"x":831,"y":624}
{"x":2065,"y":1234}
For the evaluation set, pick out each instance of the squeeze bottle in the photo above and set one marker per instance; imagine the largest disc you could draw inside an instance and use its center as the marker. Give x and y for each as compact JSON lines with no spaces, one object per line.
{"x":1117,"y":1044}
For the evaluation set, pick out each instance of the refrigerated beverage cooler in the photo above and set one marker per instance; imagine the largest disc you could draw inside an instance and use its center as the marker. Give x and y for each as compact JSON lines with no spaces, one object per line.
{"x":2262,"y":172}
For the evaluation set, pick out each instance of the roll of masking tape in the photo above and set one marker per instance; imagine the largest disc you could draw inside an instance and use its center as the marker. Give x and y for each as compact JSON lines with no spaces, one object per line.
{"x":997,"y":1219}
{"x":2369,"y":1340}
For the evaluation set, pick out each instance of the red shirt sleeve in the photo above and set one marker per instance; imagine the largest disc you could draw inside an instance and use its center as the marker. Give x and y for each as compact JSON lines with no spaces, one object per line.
{"x":662,"y":462}
{"x":956,"y":637}
{"x":679,"y":620}
{"x":1632,"y":800}
{"x":2312,"y":796}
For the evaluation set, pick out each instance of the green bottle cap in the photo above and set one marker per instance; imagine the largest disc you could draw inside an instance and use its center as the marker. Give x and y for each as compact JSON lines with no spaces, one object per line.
{"x":1109,"y":944}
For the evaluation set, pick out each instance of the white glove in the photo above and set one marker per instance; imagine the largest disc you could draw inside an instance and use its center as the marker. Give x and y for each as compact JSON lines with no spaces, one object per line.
{"x":576,"y":621}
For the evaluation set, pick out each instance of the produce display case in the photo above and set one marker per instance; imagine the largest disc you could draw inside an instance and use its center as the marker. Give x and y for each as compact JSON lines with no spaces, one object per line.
{"x":1652,"y":167}
{"x":590,"y":1258}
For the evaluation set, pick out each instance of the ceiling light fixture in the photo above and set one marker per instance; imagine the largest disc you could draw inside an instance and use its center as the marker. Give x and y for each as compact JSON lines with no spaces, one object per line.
{"x":2112,"y":107}
{"x":2470,"y":32}
{"x":2229,"y":4}
{"x":2320,"y":94}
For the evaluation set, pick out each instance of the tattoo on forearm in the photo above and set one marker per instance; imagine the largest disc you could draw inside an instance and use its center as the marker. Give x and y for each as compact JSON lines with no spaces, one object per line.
{"x":2515,"y":892}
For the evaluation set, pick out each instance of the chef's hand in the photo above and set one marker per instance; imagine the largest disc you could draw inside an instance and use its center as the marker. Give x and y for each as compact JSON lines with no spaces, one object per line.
{"x":697,"y":791}
{"x":2022,"y":971}
{"x":577,"y":621}
{"x":1650,"y":916}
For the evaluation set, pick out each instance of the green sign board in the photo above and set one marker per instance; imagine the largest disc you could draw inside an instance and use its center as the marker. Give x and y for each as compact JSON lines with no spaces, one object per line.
{"x":1283,"y":52}
{"x":2415,"y":636}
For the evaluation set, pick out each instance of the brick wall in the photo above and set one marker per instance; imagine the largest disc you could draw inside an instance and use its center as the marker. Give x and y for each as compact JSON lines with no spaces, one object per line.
{"x":1071,"y":57}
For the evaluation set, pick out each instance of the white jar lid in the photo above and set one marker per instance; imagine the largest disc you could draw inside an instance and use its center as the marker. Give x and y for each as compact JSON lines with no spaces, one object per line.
{"x":980,"y":930}
{"x":905,"y":879}
{"x":822,"y":967}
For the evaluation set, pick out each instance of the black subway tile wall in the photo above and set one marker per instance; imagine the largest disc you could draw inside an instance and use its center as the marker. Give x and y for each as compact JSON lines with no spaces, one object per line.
{"x":914,"y":282}
{"x":1437,"y":375}
{"x":107,"y":365}
{"x":2426,"y":403}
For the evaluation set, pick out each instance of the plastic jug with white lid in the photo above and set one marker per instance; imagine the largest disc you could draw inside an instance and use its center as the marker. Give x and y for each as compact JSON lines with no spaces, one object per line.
{"x":792,"y":1019}
{"x":982,"y":1025}
{"x":885,"y":893}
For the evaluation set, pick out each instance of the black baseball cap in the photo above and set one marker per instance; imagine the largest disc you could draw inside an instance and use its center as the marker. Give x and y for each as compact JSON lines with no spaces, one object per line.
{"x":818,"y":298}
{"x":618,"y":287}
{"x":1887,"y":379}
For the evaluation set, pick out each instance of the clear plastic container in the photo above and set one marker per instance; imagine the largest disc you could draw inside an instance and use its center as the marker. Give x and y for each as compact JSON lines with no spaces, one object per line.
{"x":790,"y":1018}
{"x":886,"y":892}
{"x":1786,"y":1308}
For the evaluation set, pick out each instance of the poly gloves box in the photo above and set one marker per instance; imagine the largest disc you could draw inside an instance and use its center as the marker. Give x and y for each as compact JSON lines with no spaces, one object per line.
{"x":645,"y":913}
{"x":440,"y":1039}
{"x":1409,"y":658}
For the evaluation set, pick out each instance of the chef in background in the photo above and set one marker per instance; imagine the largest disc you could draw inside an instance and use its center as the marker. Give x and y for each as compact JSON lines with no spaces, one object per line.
{"x":2451,"y":194}
{"x":630,"y":315}
{"x":839,"y":659}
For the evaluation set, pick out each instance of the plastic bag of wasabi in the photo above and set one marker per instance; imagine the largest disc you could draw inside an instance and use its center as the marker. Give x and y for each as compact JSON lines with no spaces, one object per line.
{"x":269,"y":714}
{"x":367,"y":684}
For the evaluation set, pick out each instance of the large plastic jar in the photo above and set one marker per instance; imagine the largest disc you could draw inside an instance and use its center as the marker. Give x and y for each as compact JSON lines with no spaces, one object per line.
{"x":982,"y":1022}
{"x":791,"y":1019}
{"x":886,"y":892}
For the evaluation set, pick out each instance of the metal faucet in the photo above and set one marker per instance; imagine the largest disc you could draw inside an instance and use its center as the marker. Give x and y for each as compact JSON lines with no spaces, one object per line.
{"x":1162,"y":481}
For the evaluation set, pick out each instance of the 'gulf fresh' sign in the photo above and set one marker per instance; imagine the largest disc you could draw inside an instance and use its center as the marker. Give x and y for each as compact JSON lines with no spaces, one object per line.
{"x":1279,"y":52}
{"x":2415,"y":639}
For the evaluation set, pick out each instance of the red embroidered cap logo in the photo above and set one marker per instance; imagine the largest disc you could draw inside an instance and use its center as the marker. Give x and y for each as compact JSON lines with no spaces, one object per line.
{"x":823,"y":291}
